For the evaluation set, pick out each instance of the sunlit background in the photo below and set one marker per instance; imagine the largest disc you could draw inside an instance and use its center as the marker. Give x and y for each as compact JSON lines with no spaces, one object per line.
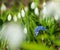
{"x":29,"y":24}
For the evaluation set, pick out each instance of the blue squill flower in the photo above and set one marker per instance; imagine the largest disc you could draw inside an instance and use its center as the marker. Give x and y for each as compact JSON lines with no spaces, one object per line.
{"x":38,"y":28}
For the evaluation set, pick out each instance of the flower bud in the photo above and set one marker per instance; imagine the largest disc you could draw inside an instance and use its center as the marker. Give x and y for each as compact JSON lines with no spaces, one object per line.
{"x":3,"y":7}
{"x":22,"y":13}
{"x":15,"y":18}
{"x":25,"y":30}
{"x":32,"y":5}
{"x":9,"y":17}
{"x":26,"y":9}
{"x":56,"y":17}
{"x":19,"y":15}
{"x":36,"y":11}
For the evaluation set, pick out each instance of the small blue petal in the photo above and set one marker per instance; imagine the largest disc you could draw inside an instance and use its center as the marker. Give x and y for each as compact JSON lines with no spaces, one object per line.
{"x":38,"y":28}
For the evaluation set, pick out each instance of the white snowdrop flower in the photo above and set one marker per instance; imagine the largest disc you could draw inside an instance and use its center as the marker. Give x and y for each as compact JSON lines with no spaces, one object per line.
{"x":19,"y":15}
{"x":36,"y":11}
{"x":25,"y":30}
{"x":9,"y":17}
{"x":14,"y":34}
{"x":56,"y":17}
{"x":26,"y":9}
{"x":22,"y":13}
{"x":44,"y":11}
{"x":51,"y":8}
{"x":3,"y":7}
{"x":44,"y":4}
{"x":15,"y":18}
{"x":33,"y":5}
{"x":48,"y":9}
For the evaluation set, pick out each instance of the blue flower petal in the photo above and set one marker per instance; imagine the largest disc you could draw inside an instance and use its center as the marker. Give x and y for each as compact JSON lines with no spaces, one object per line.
{"x":38,"y":28}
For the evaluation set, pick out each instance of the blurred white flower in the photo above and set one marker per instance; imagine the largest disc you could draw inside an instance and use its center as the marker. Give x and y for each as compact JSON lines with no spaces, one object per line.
{"x":22,"y":13}
{"x":56,"y":17}
{"x":51,"y":9}
{"x":15,"y":18}
{"x":26,"y":9}
{"x":14,"y":35}
{"x":48,"y":9}
{"x":3,"y":7}
{"x":19,"y":15}
{"x":36,"y":11}
{"x":9,"y":17}
{"x":25,"y":30}
{"x":44,"y":4}
{"x":44,"y":11}
{"x":33,"y":5}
